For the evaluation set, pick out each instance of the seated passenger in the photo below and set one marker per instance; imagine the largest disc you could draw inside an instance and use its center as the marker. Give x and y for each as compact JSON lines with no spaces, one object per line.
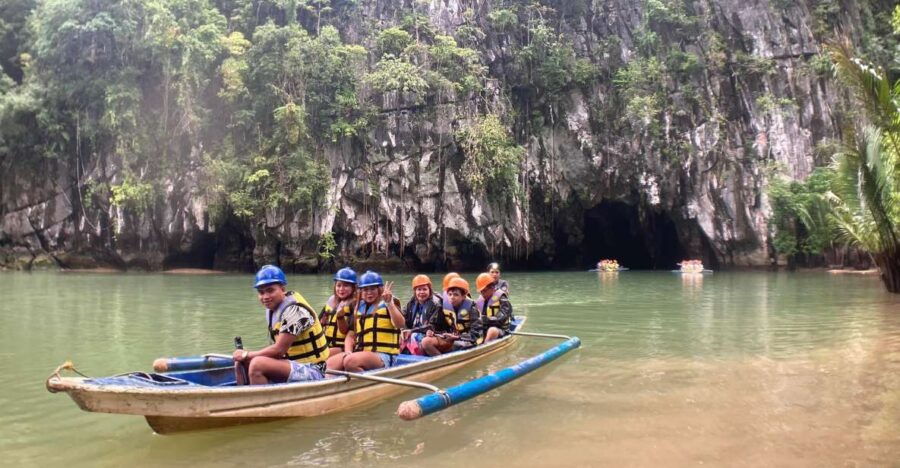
{"x":428,"y":323}
{"x":336,"y":313}
{"x":494,"y":270}
{"x":494,"y":307}
{"x":374,"y":340}
{"x":468,"y":320}
{"x":298,"y":350}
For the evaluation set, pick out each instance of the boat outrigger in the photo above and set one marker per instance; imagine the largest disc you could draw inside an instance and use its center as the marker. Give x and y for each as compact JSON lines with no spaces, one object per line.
{"x":200,"y":392}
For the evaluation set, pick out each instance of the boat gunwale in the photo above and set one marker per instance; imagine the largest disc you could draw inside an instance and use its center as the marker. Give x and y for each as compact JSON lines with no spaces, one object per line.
{"x":325,"y":387}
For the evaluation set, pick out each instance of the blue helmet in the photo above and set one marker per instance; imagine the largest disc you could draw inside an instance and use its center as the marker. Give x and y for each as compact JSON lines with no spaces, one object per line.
{"x":269,"y":274}
{"x":370,"y":278}
{"x":346,"y":274}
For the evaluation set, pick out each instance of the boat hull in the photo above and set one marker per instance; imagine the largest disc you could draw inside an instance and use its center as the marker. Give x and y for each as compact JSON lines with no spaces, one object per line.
{"x":170,"y":410}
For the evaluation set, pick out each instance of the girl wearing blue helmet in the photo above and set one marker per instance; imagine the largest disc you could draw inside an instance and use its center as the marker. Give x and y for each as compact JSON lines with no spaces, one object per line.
{"x":374,"y":339}
{"x":338,"y":310}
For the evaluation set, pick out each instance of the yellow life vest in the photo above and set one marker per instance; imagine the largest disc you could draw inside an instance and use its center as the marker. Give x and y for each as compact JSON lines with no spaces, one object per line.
{"x":374,"y":329}
{"x":333,"y":333}
{"x":309,"y":346}
{"x":464,"y":316}
{"x":493,"y":307}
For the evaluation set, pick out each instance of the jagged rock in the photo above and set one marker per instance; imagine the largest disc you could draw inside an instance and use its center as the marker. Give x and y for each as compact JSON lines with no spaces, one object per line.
{"x":396,"y":200}
{"x":43,"y":262}
{"x":88,"y":259}
{"x":301,"y":265}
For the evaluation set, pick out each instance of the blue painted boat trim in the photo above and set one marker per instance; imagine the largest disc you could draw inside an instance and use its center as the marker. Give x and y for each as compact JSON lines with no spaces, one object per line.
{"x":437,"y":401}
{"x":197,"y":362}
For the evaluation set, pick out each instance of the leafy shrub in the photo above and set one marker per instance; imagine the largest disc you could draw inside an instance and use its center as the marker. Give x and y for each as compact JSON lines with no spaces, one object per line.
{"x":491,"y":157}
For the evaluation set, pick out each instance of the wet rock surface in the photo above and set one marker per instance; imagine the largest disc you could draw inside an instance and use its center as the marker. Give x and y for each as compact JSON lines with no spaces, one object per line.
{"x":397,"y":201}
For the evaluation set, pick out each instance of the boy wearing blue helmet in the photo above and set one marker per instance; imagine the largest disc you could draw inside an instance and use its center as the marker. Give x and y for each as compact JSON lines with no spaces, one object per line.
{"x":374,"y":339}
{"x":338,"y":309}
{"x":298,"y":348}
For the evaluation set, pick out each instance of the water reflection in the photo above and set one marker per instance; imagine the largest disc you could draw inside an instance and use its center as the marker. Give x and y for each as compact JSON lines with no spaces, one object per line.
{"x":728,"y":369}
{"x":692,"y":282}
{"x":608,"y":278}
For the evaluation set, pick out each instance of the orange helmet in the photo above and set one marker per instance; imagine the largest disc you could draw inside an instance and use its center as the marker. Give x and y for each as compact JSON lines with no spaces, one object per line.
{"x":448,"y":277}
{"x":484,"y":280}
{"x":460,"y":283}
{"x":421,"y":280}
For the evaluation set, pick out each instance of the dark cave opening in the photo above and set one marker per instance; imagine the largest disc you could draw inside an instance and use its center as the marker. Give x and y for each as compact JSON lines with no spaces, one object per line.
{"x":200,"y":253}
{"x":644,"y":240}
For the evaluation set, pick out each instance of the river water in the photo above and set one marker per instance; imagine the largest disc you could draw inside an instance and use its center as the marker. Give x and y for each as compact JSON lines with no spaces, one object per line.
{"x":730,"y":369}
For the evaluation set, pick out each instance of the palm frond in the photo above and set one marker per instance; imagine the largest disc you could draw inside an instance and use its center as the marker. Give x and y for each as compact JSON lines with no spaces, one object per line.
{"x":880,"y":163}
{"x":852,"y":227}
{"x":868,"y":84}
{"x":864,"y":193}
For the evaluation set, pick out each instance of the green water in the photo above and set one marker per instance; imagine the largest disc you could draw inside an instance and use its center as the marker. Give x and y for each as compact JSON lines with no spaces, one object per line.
{"x":737,"y":369}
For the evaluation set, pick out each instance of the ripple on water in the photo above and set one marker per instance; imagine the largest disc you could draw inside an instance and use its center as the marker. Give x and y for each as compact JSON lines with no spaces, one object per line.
{"x":742,"y":369}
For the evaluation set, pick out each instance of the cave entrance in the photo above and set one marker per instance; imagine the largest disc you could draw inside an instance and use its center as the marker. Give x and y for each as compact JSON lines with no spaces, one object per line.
{"x":638,"y":240}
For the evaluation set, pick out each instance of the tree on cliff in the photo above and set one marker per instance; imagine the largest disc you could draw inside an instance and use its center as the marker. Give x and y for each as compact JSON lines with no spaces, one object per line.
{"x":866,"y":190}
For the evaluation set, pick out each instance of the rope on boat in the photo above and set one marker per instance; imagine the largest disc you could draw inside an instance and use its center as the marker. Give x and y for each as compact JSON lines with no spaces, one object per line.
{"x":55,"y":375}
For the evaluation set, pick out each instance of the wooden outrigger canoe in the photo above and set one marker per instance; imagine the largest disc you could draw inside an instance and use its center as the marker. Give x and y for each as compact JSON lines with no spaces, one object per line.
{"x":207,"y":398}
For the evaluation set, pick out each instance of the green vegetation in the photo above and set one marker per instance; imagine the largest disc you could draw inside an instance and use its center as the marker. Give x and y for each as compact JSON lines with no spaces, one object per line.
{"x":492,"y":157}
{"x":866,"y":194}
{"x":327,"y":246}
{"x":548,"y":60}
{"x":641,"y":86}
{"x":393,"y":41}
{"x":669,"y":12}
{"x":252,"y":97}
{"x":754,"y":65}
{"x":430,"y":65}
{"x":398,"y":75}
{"x":144,"y":86}
{"x":857,"y":200}
{"x":768,"y":104}
{"x":800,"y":214}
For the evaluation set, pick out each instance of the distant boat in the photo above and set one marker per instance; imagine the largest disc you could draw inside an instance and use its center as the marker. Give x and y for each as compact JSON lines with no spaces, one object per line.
{"x":702,"y":272}
{"x":608,"y":265}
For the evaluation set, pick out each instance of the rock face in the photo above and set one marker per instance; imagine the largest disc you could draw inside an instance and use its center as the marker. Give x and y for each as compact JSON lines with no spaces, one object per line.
{"x":593,"y":184}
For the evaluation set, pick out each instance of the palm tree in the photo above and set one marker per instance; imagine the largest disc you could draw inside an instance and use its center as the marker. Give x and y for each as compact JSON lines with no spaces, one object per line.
{"x":865,"y":193}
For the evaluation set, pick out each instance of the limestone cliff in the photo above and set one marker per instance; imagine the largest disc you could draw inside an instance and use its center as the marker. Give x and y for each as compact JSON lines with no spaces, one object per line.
{"x":748,"y":101}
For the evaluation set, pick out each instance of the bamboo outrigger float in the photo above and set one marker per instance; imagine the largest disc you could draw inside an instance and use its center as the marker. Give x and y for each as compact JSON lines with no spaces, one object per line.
{"x":444,"y":399}
{"x":204,"y":398}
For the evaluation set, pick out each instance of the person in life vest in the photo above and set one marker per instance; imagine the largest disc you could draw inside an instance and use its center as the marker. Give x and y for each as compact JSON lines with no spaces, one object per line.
{"x":468,"y":320}
{"x":338,"y":309}
{"x":374,"y":339}
{"x":494,"y":270}
{"x":494,"y":307}
{"x":297,"y":351}
{"x":426,"y":320}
